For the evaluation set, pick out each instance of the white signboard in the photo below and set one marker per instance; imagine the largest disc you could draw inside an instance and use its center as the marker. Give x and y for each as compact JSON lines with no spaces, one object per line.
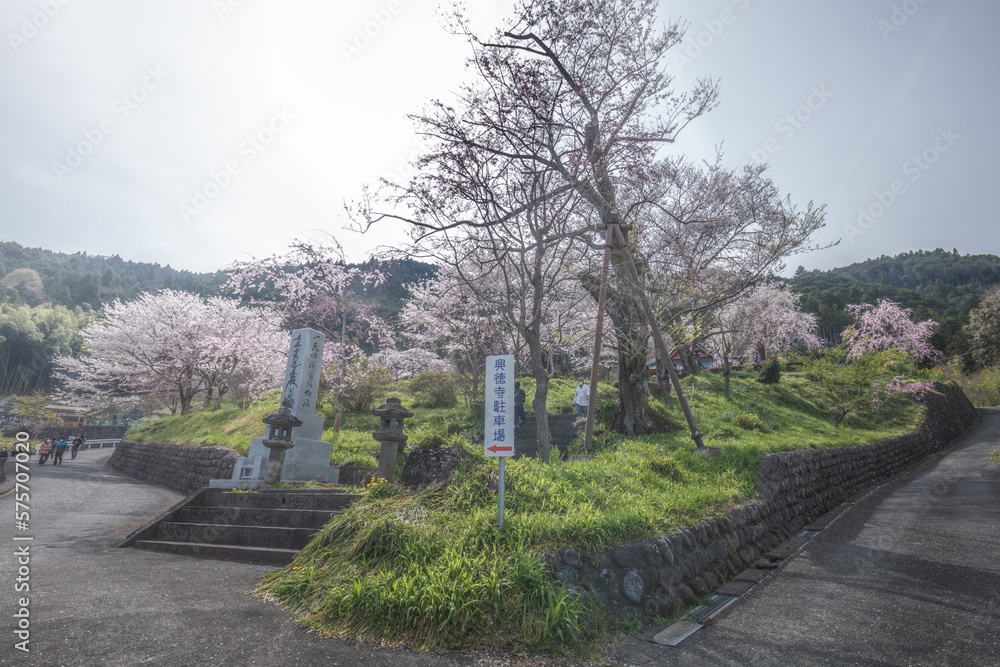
{"x":499,"y":434}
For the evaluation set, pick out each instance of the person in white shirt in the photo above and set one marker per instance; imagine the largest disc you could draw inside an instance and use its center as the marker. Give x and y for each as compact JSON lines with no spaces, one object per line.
{"x":582,"y":398}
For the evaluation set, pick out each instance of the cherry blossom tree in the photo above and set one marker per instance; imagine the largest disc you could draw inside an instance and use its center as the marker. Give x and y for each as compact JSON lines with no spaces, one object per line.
{"x":246,"y":340}
{"x":767,"y":319}
{"x":404,"y":364}
{"x":172,"y":345}
{"x":521,"y":269}
{"x":886,"y":326}
{"x":312,"y":285}
{"x":577,"y":92}
{"x":715,"y":233}
{"x":868,"y":361}
{"x":444,"y":316}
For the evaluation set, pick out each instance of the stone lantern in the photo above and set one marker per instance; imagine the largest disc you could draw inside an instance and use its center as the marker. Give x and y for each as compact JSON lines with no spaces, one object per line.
{"x":278,"y":440}
{"x":390,"y":434}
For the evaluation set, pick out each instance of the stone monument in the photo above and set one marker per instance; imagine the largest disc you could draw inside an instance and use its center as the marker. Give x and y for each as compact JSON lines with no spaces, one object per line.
{"x":308,"y":457}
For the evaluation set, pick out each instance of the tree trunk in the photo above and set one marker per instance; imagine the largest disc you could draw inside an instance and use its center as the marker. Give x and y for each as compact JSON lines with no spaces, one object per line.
{"x":343,"y":360}
{"x":541,"y":415}
{"x":686,"y":352}
{"x":663,"y":379}
{"x":631,"y":415}
{"x":725,"y":374}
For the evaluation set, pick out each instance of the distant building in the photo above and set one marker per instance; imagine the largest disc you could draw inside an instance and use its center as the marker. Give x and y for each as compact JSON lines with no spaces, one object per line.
{"x":68,"y":415}
{"x":704,"y":357}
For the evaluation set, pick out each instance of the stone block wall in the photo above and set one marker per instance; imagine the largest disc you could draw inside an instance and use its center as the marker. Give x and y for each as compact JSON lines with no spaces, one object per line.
{"x":657,"y":576}
{"x":181,"y":468}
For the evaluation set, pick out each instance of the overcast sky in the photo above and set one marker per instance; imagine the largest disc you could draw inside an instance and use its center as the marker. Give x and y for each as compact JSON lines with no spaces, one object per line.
{"x":199,"y":132}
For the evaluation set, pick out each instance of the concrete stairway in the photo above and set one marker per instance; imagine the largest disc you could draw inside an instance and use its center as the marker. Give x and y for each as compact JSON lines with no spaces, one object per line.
{"x":562,"y":431}
{"x":264,"y":526}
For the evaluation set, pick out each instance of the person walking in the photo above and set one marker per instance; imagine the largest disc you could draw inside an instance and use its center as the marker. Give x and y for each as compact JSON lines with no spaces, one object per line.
{"x":58,"y":452}
{"x":519,"y":414}
{"x":582,"y":397}
{"x":77,"y":441}
{"x":3,"y":464}
{"x":44,"y":450}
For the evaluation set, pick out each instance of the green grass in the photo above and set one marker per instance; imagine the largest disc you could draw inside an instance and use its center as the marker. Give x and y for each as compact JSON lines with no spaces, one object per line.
{"x":432,"y":569}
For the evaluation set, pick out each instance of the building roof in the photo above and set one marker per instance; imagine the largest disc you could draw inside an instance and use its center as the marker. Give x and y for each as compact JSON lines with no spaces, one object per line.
{"x":72,"y":409}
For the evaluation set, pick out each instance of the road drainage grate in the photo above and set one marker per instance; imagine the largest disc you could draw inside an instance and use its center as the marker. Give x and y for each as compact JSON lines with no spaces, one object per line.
{"x":674,"y":634}
{"x":707,"y":612}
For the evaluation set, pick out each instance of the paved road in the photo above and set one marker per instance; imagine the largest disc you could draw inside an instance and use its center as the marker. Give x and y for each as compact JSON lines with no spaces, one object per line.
{"x":908,"y":576}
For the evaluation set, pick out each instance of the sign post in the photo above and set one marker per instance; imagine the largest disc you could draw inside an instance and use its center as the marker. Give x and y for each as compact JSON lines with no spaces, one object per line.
{"x":498,"y":436}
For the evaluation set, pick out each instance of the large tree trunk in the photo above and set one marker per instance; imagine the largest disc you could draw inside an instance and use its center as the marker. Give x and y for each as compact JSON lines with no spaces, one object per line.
{"x":632,"y":414}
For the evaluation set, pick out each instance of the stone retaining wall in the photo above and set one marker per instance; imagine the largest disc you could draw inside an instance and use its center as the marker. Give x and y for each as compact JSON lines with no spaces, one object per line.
{"x":181,"y":468}
{"x":655,"y":577}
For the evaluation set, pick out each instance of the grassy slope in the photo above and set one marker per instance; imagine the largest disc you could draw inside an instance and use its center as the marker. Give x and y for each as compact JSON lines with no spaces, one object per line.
{"x":433,"y":568}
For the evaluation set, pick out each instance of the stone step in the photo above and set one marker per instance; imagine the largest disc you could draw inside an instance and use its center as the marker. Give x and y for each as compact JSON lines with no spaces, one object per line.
{"x":242,"y":554}
{"x":254,"y":516}
{"x":252,"y":536}
{"x":562,"y":431}
{"x":320,"y":499}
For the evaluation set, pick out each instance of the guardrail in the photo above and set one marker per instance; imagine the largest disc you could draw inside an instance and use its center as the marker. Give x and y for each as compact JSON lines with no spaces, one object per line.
{"x":113,"y":442}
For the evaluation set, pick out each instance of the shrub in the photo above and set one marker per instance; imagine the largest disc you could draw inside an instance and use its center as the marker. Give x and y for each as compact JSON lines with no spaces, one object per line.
{"x":434,"y":389}
{"x":367,"y":382}
{"x":771,"y":373}
{"x":477,"y":412}
{"x":605,"y":409}
{"x":748,"y":421}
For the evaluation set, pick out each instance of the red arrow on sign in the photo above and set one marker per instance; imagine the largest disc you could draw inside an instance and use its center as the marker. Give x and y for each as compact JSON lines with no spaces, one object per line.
{"x":494,"y":448}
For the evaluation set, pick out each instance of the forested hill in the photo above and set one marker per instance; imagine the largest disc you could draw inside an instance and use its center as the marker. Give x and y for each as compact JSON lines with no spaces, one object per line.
{"x":923,"y":268}
{"x":939,"y":285}
{"x":46,"y":297}
{"x":34,"y":276}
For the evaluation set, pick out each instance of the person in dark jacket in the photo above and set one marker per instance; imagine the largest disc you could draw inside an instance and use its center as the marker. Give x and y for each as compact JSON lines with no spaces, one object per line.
{"x":58,"y":451}
{"x":520,"y":416}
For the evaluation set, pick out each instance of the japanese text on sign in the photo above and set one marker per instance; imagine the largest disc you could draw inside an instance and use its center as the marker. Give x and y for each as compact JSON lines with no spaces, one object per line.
{"x":499,"y":433}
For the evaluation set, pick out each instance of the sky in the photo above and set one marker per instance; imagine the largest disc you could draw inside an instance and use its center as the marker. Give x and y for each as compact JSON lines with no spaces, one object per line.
{"x":196,"y":133}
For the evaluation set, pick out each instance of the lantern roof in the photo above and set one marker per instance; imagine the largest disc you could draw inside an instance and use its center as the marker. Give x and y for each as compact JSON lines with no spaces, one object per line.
{"x":282,"y":417}
{"x":393,"y":408}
